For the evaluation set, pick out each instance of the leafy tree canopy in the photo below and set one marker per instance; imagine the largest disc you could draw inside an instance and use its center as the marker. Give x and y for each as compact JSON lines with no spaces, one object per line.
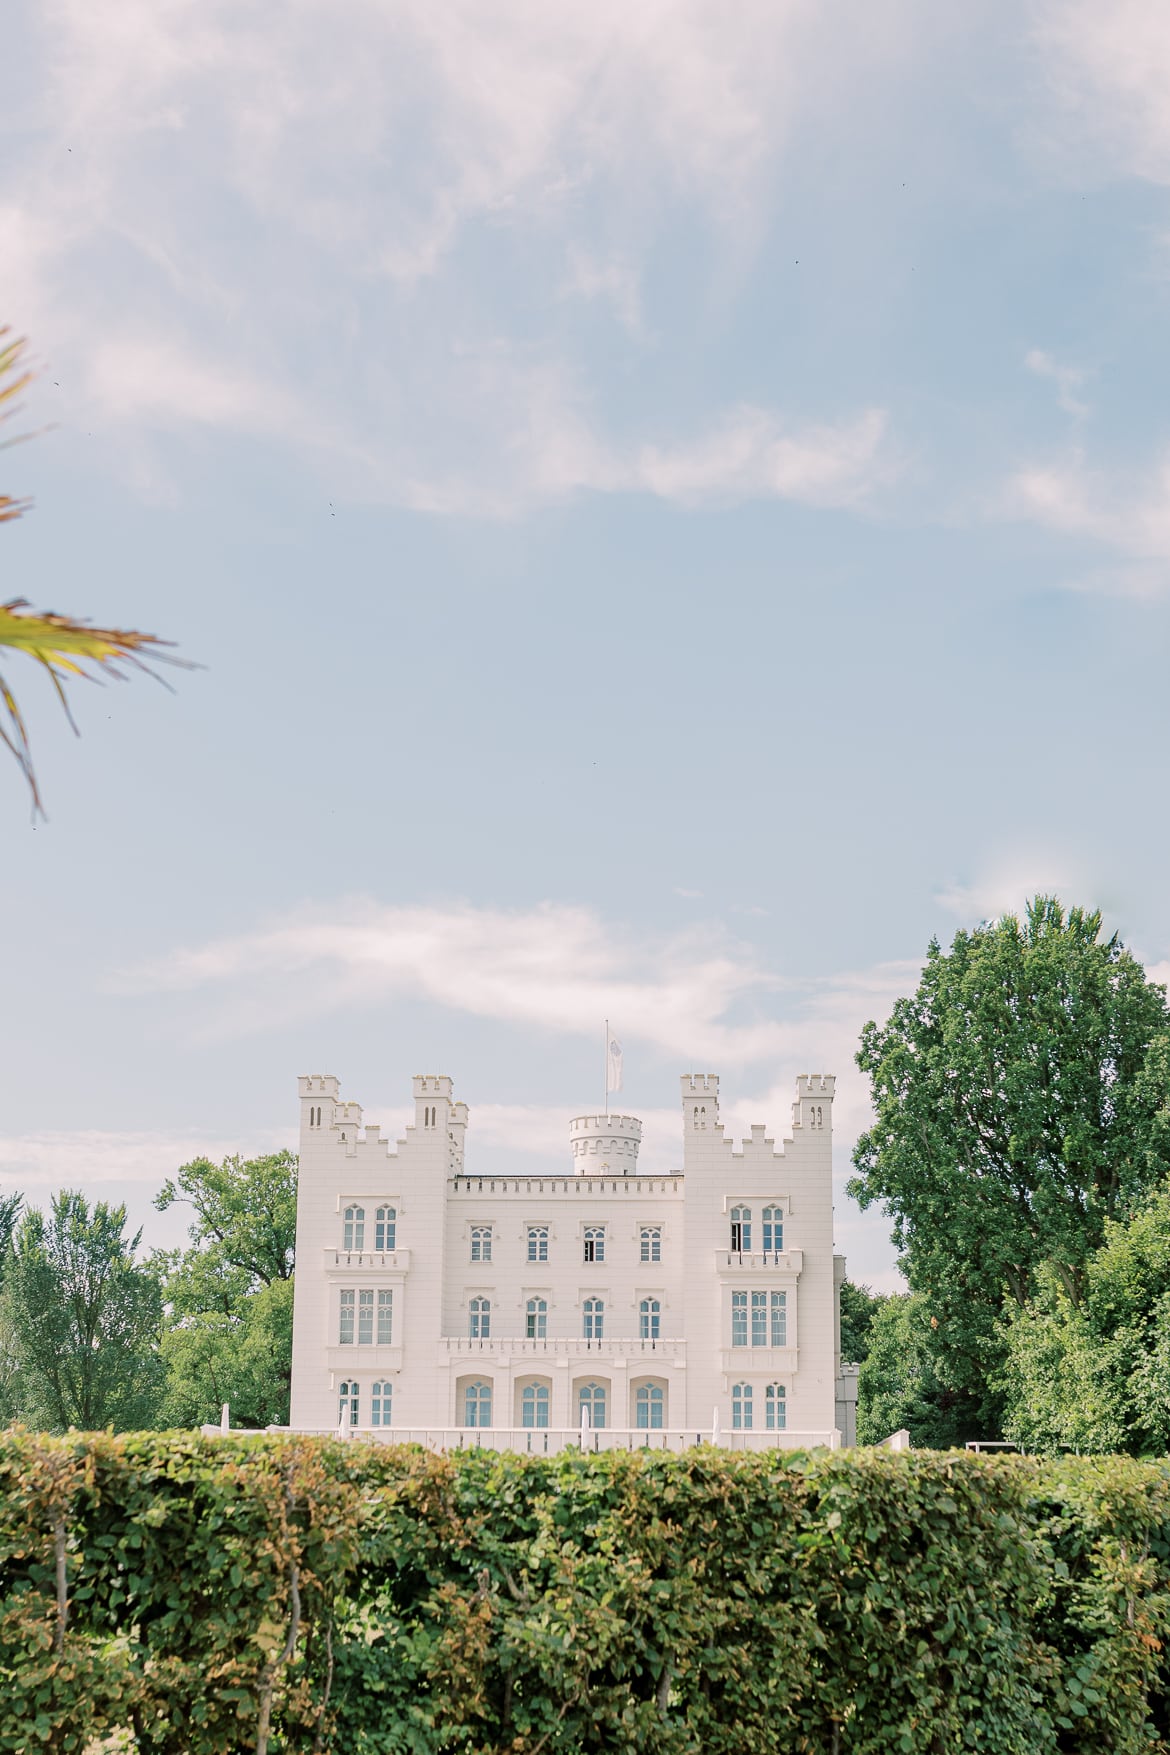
{"x":899,"y":1385}
{"x":1021,"y":1100}
{"x":859,"y":1306}
{"x":81,"y":1318}
{"x":1095,"y":1375}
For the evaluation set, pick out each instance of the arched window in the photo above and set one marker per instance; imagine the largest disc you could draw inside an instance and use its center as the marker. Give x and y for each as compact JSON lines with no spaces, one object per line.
{"x":354,"y":1229}
{"x":480,"y":1312}
{"x":385,"y":1317}
{"x":347,"y":1396}
{"x":385,"y":1228}
{"x":650,"y":1238}
{"x":648,"y":1406}
{"x":381,"y":1397}
{"x":347,"y":1304}
{"x":649,"y":1317}
{"x":741,"y":1407}
{"x":592,"y":1396}
{"x":773,"y":1231}
{"x":741,"y":1230}
{"x":776,"y":1407}
{"x":594,"y":1312}
{"x":536,"y":1319}
{"x":481,"y":1243}
{"x":477,"y":1404}
{"x":595,"y":1243}
{"x":538,"y":1242}
{"x":534,"y":1405}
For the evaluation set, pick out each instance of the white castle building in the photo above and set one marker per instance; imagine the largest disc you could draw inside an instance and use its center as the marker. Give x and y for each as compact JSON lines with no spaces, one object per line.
{"x":518,"y":1309}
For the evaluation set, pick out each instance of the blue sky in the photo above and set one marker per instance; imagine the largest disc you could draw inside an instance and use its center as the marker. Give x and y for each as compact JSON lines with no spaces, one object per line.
{"x":673,"y":504}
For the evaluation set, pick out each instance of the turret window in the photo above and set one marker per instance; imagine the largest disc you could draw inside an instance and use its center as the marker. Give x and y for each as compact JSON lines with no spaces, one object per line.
{"x":354,"y":1229}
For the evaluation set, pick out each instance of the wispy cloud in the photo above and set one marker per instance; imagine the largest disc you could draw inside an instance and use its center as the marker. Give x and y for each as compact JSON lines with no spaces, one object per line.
{"x":240,"y":216}
{"x":699,"y":996}
{"x":1006,"y":886}
{"x":1110,"y":68}
{"x":1068,"y":380}
{"x":1126,"y":512}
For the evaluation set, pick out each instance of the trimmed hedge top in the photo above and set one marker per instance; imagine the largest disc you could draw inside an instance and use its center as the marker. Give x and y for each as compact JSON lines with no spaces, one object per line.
{"x":220,"y":1595}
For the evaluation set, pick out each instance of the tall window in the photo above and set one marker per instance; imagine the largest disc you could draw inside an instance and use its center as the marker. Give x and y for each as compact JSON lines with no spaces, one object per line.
{"x":477,"y":1404}
{"x":775,"y":1407}
{"x":481,"y":1243}
{"x":354,"y":1229}
{"x":480,"y":1313}
{"x":385,"y":1225}
{"x":365,"y":1315}
{"x":592,"y":1396}
{"x":595,"y":1243}
{"x":741,"y":1407}
{"x":385,"y":1318}
{"x":773,"y":1231}
{"x":648,"y":1404}
{"x":594,"y":1319}
{"x":538,"y":1242}
{"x":534,"y":1405}
{"x":741,"y":1230}
{"x":348,"y":1397}
{"x":650,"y":1238}
{"x":381,"y":1396}
{"x":769,"y":1319}
{"x":345,"y":1322}
{"x":649,"y":1316}
{"x":536,"y":1319}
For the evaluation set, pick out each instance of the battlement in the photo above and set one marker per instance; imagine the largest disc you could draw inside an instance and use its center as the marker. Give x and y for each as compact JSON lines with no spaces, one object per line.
{"x":605,"y":1144}
{"x":700,"y":1085}
{"x":819,"y":1085}
{"x":319,"y":1085}
{"x":617,"y":1124}
{"x":432,"y":1085}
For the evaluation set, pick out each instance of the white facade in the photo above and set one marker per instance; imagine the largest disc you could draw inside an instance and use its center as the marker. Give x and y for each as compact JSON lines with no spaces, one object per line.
{"x":434,"y":1302}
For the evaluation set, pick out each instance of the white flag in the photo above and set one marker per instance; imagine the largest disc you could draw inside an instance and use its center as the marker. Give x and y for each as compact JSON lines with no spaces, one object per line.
{"x":614,"y":1065}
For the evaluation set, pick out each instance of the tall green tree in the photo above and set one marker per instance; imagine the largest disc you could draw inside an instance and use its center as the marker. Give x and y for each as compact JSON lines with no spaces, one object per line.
{"x":81,"y":1318}
{"x":1095,"y":1375}
{"x":1021,"y":1100}
{"x":858,"y":1307}
{"x":228,"y":1334}
{"x":899,"y":1385}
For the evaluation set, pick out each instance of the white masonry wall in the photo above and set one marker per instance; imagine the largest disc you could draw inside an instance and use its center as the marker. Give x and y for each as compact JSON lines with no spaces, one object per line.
{"x":432,"y":1357}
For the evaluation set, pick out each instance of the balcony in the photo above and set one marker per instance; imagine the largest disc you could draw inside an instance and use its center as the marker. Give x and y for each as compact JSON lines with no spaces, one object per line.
{"x":561,"y":1348}
{"x":367,"y":1261}
{"x":767,"y":1262}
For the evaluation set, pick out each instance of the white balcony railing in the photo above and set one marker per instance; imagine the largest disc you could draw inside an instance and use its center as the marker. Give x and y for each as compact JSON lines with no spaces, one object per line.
{"x":563,"y":1348}
{"x":785,"y":1261}
{"x":395,"y":1261}
{"x":551,"y":1439}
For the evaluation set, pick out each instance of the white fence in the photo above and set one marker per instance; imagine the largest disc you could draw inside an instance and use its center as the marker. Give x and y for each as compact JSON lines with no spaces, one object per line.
{"x":546,"y":1441}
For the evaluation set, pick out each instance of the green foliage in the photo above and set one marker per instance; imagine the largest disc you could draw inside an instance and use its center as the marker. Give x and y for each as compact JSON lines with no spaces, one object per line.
{"x":80,"y":1320}
{"x":1096,"y":1375}
{"x":899,"y":1387}
{"x":859,"y":1306}
{"x":229,"y":1296}
{"x":300,"y":1595}
{"x":1021,"y":1101}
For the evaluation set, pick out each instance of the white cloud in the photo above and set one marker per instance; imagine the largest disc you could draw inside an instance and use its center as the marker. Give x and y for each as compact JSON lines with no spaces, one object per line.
{"x":1007,"y":887}
{"x":86,"y":1158}
{"x":1127,"y":512}
{"x":235,"y":214}
{"x":1068,"y":380}
{"x":698,"y":996}
{"x":1110,"y":67}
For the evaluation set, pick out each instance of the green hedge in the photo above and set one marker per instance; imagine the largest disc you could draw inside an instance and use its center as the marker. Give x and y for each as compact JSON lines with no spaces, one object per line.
{"x":300,"y":1594}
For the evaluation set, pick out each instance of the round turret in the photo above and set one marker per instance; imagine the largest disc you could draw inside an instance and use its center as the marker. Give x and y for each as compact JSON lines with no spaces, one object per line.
{"x":605,"y":1145}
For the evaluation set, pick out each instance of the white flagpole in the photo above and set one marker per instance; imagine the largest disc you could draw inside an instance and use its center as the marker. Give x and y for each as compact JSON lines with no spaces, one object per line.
{"x":605,"y":1111}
